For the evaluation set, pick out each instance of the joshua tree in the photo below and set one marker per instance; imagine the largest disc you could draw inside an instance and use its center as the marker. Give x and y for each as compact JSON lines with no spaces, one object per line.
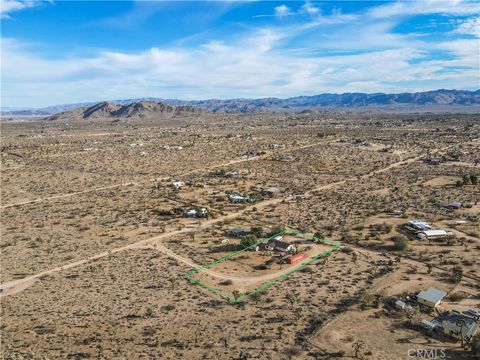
{"x":354,"y":257}
{"x":461,"y":323}
{"x":297,"y":312}
{"x":358,"y":346}
{"x":291,"y":298}
{"x":457,"y":274}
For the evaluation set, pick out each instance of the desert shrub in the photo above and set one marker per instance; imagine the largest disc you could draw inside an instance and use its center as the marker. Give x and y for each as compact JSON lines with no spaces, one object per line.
{"x":249,"y":240}
{"x":458,"y":296}
{"x":400,"y":243}
{"x":226,"y":282}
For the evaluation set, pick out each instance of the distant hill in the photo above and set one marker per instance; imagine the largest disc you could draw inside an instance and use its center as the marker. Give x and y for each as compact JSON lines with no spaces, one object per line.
{"x":139,"y":109}
{"x":442,"y":100}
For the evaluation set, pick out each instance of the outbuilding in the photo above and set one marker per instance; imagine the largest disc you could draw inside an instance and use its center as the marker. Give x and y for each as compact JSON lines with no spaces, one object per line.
{"x":237,"y":232}
{"x":434,"y":234}
{"x":431,"y":297}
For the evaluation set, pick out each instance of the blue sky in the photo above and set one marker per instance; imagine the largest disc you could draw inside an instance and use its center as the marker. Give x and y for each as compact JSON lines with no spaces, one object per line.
{"x":67,"y":51}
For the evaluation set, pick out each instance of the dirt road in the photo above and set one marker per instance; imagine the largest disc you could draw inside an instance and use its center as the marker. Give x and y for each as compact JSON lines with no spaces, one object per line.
{"x":15,"y":286}
{"x":212,"y":167}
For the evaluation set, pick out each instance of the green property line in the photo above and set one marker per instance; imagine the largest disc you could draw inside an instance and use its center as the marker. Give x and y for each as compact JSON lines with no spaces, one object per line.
{"x":335,"y":246}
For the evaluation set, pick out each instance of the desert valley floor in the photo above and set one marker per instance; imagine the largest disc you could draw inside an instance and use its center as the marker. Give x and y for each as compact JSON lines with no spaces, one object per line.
{"x":102,"y":219}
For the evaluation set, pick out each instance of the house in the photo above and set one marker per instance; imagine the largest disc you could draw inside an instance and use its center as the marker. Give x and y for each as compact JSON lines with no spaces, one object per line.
{"x":454,"y":206}
{"x":196,"y":213}
{"x":231,"y":174}
{"x":270,"y":192}
{"x":285,"y":158}
{"x":417,"y":225}
{"x":458,"y":325}
{"x":278,"y":245}
{"x":432,"y":160}
{"x":239,"y":198}
{"x":237,"y":232}
{"x":431,"y":297}
{"x":178,"y":184}
{"x":433,"y":234}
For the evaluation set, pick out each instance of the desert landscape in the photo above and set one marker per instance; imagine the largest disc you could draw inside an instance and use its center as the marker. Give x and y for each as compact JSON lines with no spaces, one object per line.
{"x":239,"y":180}
{"x":103,"y":218}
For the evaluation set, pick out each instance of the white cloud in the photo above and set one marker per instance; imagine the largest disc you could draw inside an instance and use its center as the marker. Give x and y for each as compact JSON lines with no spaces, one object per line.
{"x":336,"y":53}
{"x":282,"y":10}
{"x":309,"y":8}
{"x":9,"y":6}
{"x":469,"y":26}
{"x":419,"y":7}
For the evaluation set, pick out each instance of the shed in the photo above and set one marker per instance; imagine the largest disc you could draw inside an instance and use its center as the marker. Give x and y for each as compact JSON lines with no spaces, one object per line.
{"x":237,"y":232}
{"x":433,"y":234}
{"x":431,"y":297}
{"x":454,"y":205}
{"x":296,"y":258}
{"x":272,"y":191}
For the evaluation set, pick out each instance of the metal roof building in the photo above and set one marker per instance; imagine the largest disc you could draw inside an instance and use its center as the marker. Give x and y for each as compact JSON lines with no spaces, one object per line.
{"x":431,"y":297}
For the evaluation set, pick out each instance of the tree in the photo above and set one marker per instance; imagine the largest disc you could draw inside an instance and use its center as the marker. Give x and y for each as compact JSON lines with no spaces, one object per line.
{"x":400,"y":243}
{"x":291,"y":298}
{"x":236,"y":295}
{"x":457,"y":274}
{"x":358,"y":346}
{"x":429,"y":268}
{"x":354,"y":257}
{"x":257,"y":231}
{"x":474,"y":179}
{"x":248,"y":240}
{"x":297,"y":312}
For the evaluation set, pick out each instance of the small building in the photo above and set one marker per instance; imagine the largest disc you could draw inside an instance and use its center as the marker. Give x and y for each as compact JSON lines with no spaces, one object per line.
{"x":271,"y":192}
{"x":458,"y":325}
{"x":454,"y":206}
{"x":431,"y":160}
{"x":431,"y":297}
{"x":178,"y":184}
{"x":434,"y":234}
{"x":285,"y":158}
{"x":417,"y":225}
{"x":278,"y":245}
{"x":401,"y":305}
{"x":237,"y":232}
{"x":236,"y":198}
{"x":196,"y":213}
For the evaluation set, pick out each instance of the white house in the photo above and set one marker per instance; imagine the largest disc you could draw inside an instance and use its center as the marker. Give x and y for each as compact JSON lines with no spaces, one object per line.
{"x":431,"y":297}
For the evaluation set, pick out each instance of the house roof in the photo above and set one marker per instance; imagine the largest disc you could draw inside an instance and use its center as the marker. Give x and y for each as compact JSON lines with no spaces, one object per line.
{"x":435,"y":232}
{"x":432,"y":295}
{"x":279,"y":243}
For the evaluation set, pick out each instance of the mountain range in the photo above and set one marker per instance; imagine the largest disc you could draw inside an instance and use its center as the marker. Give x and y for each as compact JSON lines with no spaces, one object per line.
{"x":429,"y":100}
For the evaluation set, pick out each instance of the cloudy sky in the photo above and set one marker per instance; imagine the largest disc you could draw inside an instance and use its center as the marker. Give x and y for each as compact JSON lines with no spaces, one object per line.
{"x":55,"y":52}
